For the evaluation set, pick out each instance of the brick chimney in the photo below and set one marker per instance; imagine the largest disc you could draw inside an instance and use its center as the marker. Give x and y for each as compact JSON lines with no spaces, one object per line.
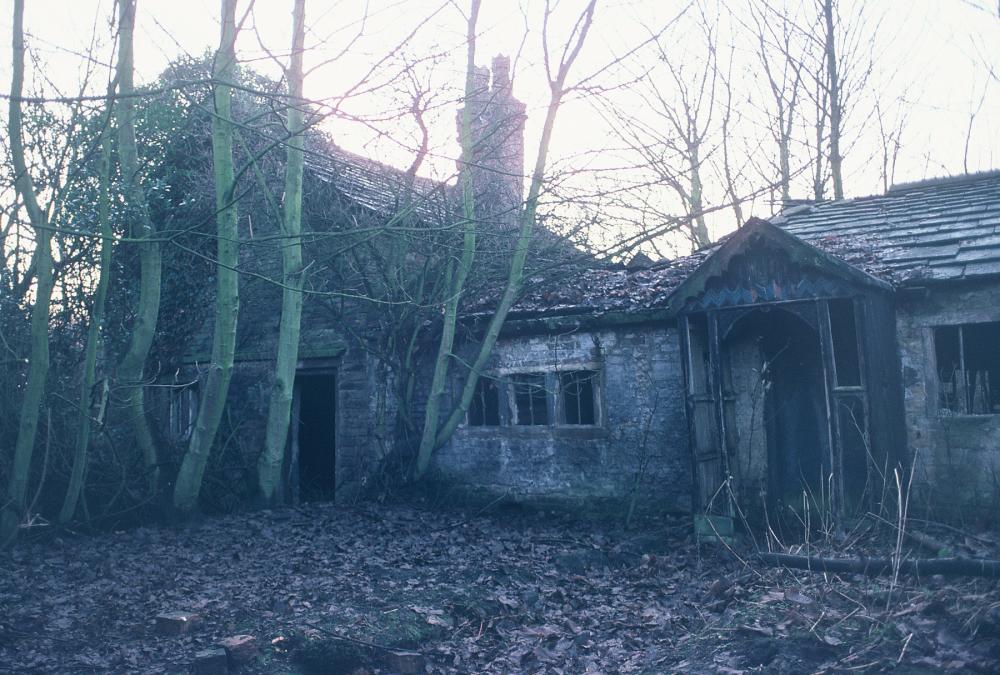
{"x":498,"y":147}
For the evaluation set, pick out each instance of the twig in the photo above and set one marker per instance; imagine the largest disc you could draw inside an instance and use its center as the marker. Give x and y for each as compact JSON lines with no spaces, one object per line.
{"x":906,"y":643}
{"x":362,"y":643}
{"x":473,"y":516}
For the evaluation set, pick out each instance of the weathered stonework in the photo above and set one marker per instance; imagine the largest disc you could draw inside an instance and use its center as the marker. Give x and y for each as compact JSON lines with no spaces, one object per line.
{"x":956,"y":457}
{"x":639,"y":445}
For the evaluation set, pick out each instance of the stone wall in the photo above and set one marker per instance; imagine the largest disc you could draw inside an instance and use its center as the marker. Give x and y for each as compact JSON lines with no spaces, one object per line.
{"x":956,"y":456}
{"x":639,"y":443}
{"x":241,"y":436}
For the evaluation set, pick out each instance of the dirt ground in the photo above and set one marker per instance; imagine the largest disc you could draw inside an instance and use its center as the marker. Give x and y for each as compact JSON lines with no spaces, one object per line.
{"x":323,"y":589}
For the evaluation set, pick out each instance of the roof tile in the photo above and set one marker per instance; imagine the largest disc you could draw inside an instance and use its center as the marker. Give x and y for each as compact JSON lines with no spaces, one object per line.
{"x":943,"y":222}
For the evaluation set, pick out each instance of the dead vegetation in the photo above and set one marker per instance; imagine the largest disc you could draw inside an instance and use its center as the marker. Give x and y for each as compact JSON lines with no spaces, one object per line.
{"x":323,"y":589}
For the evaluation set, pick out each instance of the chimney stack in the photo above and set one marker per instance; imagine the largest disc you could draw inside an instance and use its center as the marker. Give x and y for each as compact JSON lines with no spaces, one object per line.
{"x":498,"y":148}
{"x":501,"y":72}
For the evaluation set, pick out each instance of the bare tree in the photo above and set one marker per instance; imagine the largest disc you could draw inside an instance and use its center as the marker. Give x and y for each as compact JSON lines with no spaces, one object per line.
{"x":280,"y":406}
{"x":675,"y":133}
{"x":834,"y":96}
{"x":144,"y":232}
{"x":775,"y":37}
{"x":95,"y":326}
{"x":457,"y":271}
{"x":213,"y":401}
{"x":557,"y":71}
{"x":890,"y":131}
{"x":34,"y":390}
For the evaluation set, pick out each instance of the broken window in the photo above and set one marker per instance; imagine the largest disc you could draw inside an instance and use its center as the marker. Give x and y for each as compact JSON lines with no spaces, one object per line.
{"x":182,"y":411}
{"x":484,"y":410}
{"x":577,"y":389}
{"x":856,"y":447}
{"x":968,"y":366}
{"x":698,"y":370}
{"x":530,"y":399}
{"x":845,"y":343}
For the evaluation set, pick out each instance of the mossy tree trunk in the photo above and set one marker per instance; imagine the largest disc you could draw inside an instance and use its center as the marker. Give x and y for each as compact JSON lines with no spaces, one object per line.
{"x":280,"y":405}
{"x":133,"y":364}
{"x":189,"y":478}
{"x":515,"y":277}
{"x":13,"y":503}
{"x":94,"y":330}
{"x":457,"y":272}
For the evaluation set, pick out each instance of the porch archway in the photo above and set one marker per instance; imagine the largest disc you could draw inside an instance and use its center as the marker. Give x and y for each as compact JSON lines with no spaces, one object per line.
{"x":774,"y":375}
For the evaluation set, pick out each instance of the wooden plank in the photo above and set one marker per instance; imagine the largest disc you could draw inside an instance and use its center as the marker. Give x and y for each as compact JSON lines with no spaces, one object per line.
{"x":834,"y":437}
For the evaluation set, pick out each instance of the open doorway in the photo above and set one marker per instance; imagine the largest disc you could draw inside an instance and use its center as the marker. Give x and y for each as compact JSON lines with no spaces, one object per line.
{"x":778,"y":390}
{"x":313,"y":436}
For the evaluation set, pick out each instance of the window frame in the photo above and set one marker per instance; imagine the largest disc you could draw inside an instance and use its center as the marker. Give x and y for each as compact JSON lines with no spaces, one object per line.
{"x":546,"y":390}
{"x":498,"y":386}
{"x":595,"y":393}
{"x":937,"y":400}
{"x":182,"y":411}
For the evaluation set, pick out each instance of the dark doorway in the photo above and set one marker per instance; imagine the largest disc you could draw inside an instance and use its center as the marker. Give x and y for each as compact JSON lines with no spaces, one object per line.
{"x":794,"y":411}
{"x":314,"y":436}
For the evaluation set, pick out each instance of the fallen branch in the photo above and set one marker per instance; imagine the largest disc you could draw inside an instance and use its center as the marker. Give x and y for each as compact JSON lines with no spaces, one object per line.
{"x":355,"y":641}
{"x":873,"y":567}
{"x":930,"y":543}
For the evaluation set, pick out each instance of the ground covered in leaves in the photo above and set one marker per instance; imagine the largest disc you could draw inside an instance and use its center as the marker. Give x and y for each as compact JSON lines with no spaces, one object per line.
{"x":323,"y":589}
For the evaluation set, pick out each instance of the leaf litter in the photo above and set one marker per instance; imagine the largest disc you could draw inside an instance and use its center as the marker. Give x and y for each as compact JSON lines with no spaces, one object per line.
{"x":326,"y":589}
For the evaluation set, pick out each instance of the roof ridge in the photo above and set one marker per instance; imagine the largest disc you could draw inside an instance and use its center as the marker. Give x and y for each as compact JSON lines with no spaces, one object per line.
{"x":957,"y":179}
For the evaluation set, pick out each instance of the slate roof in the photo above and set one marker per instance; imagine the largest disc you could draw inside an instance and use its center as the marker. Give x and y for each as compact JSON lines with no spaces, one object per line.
{"x":609,"y":289}
{"x":377,"y":186}
{"x":936,"y":230}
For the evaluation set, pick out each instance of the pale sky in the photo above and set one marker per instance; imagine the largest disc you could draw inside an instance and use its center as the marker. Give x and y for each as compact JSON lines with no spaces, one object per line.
{"x":934,"y":53}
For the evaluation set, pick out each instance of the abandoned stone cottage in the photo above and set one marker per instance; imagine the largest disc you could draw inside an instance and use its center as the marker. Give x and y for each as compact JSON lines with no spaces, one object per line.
{"x":805,"y":357}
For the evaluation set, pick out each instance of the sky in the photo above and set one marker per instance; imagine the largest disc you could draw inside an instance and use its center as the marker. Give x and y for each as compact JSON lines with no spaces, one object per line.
{"x":932,"y":60}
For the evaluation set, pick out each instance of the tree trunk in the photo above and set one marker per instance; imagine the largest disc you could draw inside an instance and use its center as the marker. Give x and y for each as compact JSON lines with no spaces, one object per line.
{"x":699,"y":229}
{"x":213,"y":401}
{"x":784,"y":162}
{"x":727,"y":168}
{"x":280,"y":406}
{"x":833,"y":81}
{"x":515,"y":276}
{"x":76,"y":478}
{"x":38,"y":362}
{"x":432,"y":410}
{"x":130,"y":371}
{"x":818,"y":171}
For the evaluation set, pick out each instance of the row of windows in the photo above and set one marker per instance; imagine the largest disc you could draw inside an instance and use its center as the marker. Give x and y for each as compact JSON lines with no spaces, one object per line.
{"x":536,"y":399}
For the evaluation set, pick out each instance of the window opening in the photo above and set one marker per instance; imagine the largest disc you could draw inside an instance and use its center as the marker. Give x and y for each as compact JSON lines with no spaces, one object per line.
{"x":183,"y":411}
{"x":968,"y":365}
{"x":578,"y":397}
{"x":845,"y":343}
{"x":698,"y":370}
{"x":484,"y":410}
{"x":530,"y":399}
